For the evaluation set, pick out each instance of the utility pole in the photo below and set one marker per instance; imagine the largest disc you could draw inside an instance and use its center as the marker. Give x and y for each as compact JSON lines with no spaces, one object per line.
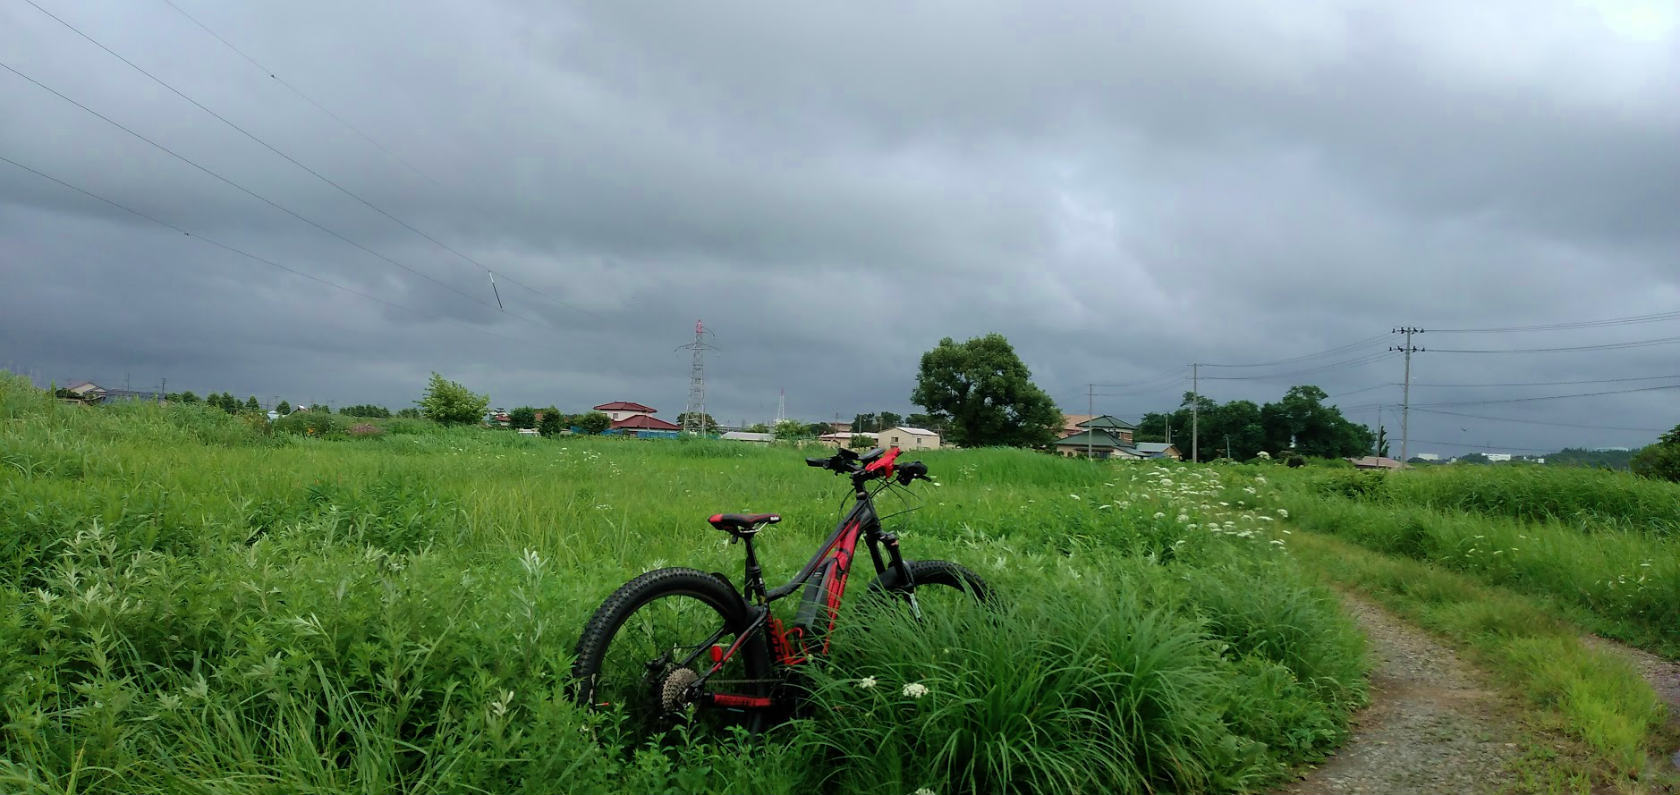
{"x":1090,"y":397}
{"x":1406,"y":390}
{"x":163,"y":387}
{"x":1376,"y":441}
{"x":1227,"y":447}
{"x":694,"y":416}
{"x":1195,"y":411}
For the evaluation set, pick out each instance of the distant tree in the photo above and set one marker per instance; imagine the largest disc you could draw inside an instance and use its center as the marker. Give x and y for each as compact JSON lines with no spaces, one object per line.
{"x":788,"y":430}
{"x":594,"y":422}
{"x":818,"y":429}
{"x":985,"y":394}
{"x":227,"y":402}
{"x":1660,"y":461}
{"x":1473,"y":458}
{"x":283,"y":408}
{"x":887,"y":419}
{"x":523,"y":417}
{"x":707,"y":424}
{"x":864,"y":422}
{"x":1598,"y":459}
{"x":861,"y":442}
{"x":758,"y":427}
{"x":550,"y":425}
{"x":409,"y":413}
{"x":1382,"y":441}
{"x":187,"y":397}
{"x":927,"y":421}
{"x":451,"y":403}
{"x":1302,"y":420}
{"x":251,"y":405}
{"x":365,"y":410}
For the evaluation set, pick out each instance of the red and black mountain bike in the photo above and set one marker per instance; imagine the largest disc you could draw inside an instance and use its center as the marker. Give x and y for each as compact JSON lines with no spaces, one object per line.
{"x":679,"y":642}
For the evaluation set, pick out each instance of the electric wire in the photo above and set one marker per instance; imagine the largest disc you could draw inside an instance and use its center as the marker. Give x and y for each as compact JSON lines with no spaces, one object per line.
{"x":1357,"y":361}
{"x":1537,"y":422}
{"x":1416,"y":384}
{"x":254,"y":194}
{"x":1602,"y":347}
{"x":234,"y":249}
{"x":1619,"y":321}
{"x":1306,"y":356}
{"x":270,"y":147}
{"x":1503,"y":401}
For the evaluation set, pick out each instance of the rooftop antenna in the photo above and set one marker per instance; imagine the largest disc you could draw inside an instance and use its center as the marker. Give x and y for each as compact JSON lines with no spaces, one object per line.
{"x":694,"y":416}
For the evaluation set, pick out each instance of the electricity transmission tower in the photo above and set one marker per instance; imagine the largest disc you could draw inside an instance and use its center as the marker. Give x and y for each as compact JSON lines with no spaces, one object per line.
{"x":781,"y":409}
{"x":694,"y":417}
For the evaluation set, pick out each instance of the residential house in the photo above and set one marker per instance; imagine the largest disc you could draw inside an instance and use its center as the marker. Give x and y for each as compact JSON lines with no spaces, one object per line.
{"x":1159,"y":450}
{"x":624,"y":409}
{"x":1094,"y":443}
{"x":644,"y":426}
{"x":85,"y":391}
{"x":907,"y":438}
{"x":1079,"y":423}
{"x":1376,"y":462}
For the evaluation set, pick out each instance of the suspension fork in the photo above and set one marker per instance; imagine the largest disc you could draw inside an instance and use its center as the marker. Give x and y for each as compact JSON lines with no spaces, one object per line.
{"x":895,"y":560}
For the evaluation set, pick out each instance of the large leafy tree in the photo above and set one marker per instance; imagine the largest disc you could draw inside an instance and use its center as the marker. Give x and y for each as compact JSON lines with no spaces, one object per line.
{"x":707,"y":424}
{"x":451,"y":403}
{"x":594,"y":422}
{"x":1660,"y":461}
{"x":984,"y":394}
{"x":523,"y":417}
{"x":1301,"y":419}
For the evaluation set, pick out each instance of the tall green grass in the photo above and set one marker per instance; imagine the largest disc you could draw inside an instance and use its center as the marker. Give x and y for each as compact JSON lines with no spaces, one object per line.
{"x":189,"y":603}
{"x":1622,"y":582}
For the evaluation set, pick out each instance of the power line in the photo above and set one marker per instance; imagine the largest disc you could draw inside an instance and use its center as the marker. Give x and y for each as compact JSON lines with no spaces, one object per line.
{"x":1551,"y":397}
{"x":233,"y":249}
{"x":1604,"y":347}
{"x":1303,"y":357}
{"x":1555,"y":383}
{"x":1541,"y":422}
{"x":1487,"y":446}
{"x":1619,"y":321}
{"x":305,"y":97}
{"x":249,"y":192}
{"x":1354,"y":362}
{"x":270,"y":147}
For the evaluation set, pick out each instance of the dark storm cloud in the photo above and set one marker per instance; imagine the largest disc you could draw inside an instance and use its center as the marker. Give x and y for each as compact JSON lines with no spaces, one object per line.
{"x":1121,"y":191}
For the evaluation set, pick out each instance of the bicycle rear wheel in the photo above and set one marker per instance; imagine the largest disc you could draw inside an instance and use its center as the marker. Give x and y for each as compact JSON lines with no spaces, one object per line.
{"x":653,"y":638}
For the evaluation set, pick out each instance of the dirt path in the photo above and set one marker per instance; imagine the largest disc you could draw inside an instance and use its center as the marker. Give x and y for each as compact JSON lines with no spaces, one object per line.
{"x":1431,"y":727}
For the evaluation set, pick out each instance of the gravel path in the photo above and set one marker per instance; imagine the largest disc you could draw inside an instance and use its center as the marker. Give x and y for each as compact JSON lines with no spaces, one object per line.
{"x":1431,"y":727}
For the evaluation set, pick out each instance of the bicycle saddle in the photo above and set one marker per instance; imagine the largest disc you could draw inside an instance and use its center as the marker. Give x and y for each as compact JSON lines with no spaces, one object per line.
{"x":743,"y":524}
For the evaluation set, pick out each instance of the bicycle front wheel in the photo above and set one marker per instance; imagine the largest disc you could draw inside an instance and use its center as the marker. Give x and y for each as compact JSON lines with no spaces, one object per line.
{"x":654,"y":637}
{"x":942,"y":588}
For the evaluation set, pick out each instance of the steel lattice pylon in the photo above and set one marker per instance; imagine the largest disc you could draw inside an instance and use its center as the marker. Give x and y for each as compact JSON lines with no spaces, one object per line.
{"x":694,"y":416}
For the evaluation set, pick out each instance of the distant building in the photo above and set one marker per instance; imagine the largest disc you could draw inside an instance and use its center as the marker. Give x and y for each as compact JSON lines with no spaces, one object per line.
{"x":624,"y":409}
{"x":1428,"y":456}
{"x":1376,"y":462}
{"x":1498,"y":456}
{"x":644,"y":425}
{"x":907,"y":438}
{"x":844,"y":439}
{"x":748,"y":436}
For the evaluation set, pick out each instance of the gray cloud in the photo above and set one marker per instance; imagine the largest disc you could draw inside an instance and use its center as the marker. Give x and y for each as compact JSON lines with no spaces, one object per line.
{"x":1119,"y":190}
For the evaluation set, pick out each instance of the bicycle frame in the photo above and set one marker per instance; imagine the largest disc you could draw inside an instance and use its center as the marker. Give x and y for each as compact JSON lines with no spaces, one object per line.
{"x":824,"y":577}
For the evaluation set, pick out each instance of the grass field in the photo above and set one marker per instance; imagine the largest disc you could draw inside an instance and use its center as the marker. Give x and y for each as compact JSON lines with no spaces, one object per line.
{"x":191,"y":603}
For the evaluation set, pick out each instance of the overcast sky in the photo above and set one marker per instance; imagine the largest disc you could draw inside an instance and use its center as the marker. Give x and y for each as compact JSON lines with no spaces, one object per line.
{"x":1120,"y":189}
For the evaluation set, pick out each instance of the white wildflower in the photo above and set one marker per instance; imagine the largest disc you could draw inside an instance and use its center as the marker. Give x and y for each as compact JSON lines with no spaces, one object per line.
{"x":922,"y":791}
{"x":1104,"y":507}
{"x":1184,"y":517}
{"x":1283,"y":513}
{"x":1159,"y":515}
{"x":866,"y":683}
{"x":915,"y":690}
{"x":1075,"y":496}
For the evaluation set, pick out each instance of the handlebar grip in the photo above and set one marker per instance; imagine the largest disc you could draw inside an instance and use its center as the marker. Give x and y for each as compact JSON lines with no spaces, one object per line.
{"x":820,"y":463}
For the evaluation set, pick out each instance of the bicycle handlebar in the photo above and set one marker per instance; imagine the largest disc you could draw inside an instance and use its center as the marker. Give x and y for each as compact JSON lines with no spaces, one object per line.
{"x":847,"y":462}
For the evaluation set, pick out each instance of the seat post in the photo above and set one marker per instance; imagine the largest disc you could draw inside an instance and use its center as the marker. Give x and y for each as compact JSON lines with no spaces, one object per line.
{"x":755,"y":575}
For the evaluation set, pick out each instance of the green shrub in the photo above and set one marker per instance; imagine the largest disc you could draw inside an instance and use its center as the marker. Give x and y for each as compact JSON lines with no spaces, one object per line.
{"x":318,"y":424}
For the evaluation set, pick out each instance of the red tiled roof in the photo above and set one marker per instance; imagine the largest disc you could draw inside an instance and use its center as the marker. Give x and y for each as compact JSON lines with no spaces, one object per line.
{"x":645,"y":423}
{"x":624,"y":405}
